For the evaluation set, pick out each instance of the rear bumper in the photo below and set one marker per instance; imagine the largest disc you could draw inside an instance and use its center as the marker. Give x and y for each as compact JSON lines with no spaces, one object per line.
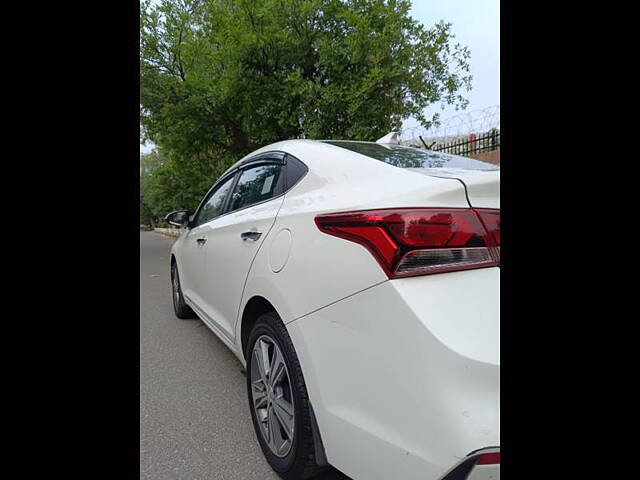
{"x":404,"y":376}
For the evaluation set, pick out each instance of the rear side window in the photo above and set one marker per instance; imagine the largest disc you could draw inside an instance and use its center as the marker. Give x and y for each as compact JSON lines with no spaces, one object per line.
{"x":257,"y":184}
{"x":295,"y":171}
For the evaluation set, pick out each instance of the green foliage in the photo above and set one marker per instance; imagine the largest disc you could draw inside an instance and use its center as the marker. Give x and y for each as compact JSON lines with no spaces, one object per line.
{"x":170,"y":182}
{"x":220,"y":78}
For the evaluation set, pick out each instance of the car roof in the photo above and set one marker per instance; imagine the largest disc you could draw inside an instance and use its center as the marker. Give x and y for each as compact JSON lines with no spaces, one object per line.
{"x":310,"y":152}
{"x":316,"y":154}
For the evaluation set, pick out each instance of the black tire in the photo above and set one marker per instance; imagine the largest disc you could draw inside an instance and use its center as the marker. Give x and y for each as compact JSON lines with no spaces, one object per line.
{"x":181,"y":309}
{"x":300,"y":462}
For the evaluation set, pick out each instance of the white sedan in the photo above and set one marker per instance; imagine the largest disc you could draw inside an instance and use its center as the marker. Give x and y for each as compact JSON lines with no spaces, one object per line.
{"x":359,"y":284}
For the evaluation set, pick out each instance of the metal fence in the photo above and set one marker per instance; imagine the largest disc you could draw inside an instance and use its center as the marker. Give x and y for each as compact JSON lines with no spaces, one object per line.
{"x":471,"y":145}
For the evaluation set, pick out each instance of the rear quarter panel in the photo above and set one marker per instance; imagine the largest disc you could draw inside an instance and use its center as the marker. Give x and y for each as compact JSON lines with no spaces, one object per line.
{"x":398,"y":394}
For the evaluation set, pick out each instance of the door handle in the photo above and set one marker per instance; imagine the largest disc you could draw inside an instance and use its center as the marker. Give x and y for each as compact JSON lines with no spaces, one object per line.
{"x":251,"y":235}
{"x":201,"y":241}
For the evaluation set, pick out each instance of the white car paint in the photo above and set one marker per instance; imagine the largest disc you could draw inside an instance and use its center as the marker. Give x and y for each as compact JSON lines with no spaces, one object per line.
{"x":483,"y":188}
{"x":403,"y":374}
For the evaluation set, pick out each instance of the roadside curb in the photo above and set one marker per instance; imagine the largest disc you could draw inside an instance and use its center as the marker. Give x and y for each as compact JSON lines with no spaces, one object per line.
{"x":169,"y":232}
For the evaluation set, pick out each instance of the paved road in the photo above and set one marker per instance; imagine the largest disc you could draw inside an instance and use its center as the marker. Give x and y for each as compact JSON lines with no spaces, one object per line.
{"x":194,"y":417}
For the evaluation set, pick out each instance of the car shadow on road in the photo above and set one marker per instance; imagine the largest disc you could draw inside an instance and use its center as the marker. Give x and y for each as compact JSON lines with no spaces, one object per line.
{"x":332,"y":474}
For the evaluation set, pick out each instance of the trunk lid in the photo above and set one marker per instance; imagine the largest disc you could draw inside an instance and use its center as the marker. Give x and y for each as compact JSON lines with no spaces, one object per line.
{"x":482,"y":186}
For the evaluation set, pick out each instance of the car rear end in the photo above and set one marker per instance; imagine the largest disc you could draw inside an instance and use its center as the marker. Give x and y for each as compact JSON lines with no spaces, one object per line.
{"x":424,"y":365}
{"x":402,"y":368}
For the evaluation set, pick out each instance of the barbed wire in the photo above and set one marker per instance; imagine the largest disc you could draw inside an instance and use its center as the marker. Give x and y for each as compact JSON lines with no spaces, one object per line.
{"x":475,"y":121}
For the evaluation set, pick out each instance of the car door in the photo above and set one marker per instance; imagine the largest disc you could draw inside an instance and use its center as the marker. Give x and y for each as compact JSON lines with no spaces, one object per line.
{"x":194,"y":245}
{"x":234,"y":239}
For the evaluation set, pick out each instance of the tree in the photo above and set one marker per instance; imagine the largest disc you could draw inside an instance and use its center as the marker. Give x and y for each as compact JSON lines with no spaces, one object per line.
{"x":169,"y":182}
{"x":149,"y":164}
{"x":220,"y":78}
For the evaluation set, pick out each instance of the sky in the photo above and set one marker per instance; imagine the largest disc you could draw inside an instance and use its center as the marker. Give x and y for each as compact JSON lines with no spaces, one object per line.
{"x":476,"y":24}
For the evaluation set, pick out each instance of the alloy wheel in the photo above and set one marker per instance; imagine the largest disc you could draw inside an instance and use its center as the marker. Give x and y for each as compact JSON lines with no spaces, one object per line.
{"x":272,"y":397}
{"x":176,"y":285}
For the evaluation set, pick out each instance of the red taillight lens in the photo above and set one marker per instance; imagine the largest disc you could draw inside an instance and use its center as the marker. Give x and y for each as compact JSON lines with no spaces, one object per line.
{"x":419,"y":241}
{"x":491,"y":219}
{"x":489,"y":459}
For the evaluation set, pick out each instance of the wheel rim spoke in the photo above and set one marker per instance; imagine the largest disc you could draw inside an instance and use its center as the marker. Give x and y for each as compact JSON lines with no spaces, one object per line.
{"x":264,"y":358}
{"x":278,"y":368}
{"x":176,"y":286}
{"x":284,"y":405}
{"x":284,"y":417}
{"x":260,"y":364}
{"x":259,"y":394}
{"x":271,"y":430}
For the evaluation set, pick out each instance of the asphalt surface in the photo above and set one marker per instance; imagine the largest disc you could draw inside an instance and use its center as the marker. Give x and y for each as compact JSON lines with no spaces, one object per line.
{"x":194,"y":415}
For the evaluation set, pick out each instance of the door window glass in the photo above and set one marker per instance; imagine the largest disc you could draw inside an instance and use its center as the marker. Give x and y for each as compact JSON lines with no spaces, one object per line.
{"x":215,"y":203}
{"x":256,"y":185}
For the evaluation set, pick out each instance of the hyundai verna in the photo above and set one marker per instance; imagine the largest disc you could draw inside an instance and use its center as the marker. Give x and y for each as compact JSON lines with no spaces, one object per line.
{"x":359,"y":284}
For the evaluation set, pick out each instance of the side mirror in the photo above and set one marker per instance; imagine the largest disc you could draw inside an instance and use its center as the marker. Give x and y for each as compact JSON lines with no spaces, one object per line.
{"x":179,"y":218}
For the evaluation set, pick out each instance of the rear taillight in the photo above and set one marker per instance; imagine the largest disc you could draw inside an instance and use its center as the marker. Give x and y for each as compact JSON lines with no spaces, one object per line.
{"x":421,"y":241}
{"x":489,"y":459}
{"x":491,"y":219}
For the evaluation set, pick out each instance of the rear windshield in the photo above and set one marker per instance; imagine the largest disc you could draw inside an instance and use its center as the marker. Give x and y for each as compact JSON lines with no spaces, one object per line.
{"x":409,"y":157}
